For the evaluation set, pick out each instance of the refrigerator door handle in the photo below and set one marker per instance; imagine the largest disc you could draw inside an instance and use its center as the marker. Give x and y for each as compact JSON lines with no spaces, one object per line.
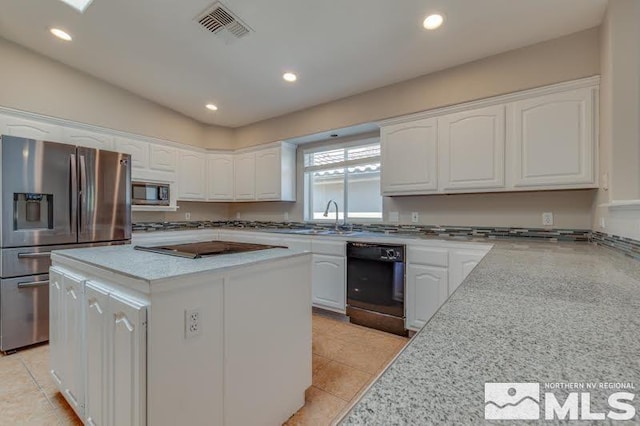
{"x":33,"y":284}
{"x":82,"y":193}
{"x":73,"y":189}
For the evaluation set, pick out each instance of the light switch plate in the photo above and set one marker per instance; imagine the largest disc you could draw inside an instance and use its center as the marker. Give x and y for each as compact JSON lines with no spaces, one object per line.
{"x":286,"y":216}
{"x":415,"y":217}
{"x":547,"y":219}
{"x":238,"y":215}
{"x":187,"y":216}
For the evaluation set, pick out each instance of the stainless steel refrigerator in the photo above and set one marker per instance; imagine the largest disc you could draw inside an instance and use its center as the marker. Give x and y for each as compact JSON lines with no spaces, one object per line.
{"x":54,"y":196}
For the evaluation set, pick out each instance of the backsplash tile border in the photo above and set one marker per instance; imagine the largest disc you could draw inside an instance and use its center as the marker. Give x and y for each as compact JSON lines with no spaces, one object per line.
{"x":628,"y":246}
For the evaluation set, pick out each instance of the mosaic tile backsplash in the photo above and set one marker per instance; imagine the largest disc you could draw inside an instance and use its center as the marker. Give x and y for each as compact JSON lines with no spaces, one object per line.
{"x":627,"y":246}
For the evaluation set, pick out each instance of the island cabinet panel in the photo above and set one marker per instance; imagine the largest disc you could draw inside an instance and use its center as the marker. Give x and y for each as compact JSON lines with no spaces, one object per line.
{"x":409,"y":157}
{"x":67,"y":337}
{"x":554,"y":139}
{"x":329,"y":282}
{"x":96,"y":303}
{"x":426,"y":291}
{"x":472,"y":148}
{"x":461,"y":263}
{"x":192,"y":172}
{"x":220,"y":177}
{"x":25,"y":128}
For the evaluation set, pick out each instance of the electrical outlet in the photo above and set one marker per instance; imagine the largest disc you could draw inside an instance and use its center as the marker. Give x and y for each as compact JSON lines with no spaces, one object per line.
{"x":187,"y":216}
{"x":192,"y":324}
{"x":237,"y":215}
{"x":394,"y":217}
{"x":286,"y":216}
{"x":415,"y":217}
{"x":547,"y":219}
{"x":603,"y":223}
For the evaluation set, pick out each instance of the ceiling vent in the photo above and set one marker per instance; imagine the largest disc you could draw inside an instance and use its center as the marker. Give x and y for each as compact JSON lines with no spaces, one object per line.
{"x":221,"y":21}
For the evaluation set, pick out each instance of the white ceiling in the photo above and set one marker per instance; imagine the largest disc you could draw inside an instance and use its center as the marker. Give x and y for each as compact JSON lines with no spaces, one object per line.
{"x":338,"y":47}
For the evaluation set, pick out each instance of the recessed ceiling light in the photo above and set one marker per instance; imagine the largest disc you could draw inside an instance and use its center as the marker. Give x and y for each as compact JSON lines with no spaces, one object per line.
{"x":290,"y":77}
{"x":432,"y":22}
{"x":212,"y":107}
{"x":60,"y":34}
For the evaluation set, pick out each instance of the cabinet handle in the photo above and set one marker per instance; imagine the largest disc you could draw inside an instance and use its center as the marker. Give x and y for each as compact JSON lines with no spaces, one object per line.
{"x":33,"y":284}
{"x":122,"y":319}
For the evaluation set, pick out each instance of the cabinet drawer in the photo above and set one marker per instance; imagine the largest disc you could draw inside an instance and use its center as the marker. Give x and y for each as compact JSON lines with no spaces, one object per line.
{"x":428,"y":256}
{"x":333,"y":248}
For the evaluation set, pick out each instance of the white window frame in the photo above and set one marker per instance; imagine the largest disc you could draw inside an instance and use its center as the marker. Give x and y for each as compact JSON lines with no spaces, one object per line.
{"x":308,"y":194}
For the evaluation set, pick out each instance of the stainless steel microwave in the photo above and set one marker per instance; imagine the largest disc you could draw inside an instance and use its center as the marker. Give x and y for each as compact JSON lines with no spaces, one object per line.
{"x":150,"y":193}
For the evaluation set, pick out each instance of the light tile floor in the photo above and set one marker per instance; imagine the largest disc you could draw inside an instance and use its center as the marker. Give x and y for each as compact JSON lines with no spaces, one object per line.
{"x":346,"y":358}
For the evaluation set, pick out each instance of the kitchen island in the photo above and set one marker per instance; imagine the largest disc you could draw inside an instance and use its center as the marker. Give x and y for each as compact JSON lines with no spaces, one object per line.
{"x":144,"y":338}
{"x":543,"y":313}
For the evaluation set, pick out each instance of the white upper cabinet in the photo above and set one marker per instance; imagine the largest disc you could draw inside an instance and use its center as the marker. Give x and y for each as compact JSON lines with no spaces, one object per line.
{"x":539,"y":139}
{"x":553,"y":139}
{"x":409,"y":157}
{"x":32,"y":129}
{"x":163,"y":158}
{"x":275,"y":173}
{"x":220,"y":177}
{"x":192,"y":183}
{"x":472,"y":146}
{"x":139,"y":151}
{"x":87,"y":138}
{"x":245,"y":176}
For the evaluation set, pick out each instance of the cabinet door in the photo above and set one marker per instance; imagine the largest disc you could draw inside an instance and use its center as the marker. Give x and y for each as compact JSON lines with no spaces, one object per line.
{"x":472,"y":145}
{"x":192,"y":176}
{"x":553,"y":139}
{"x":57,"y":344}
{"x":220,"y":177}
{"x":461,"y":263}
{"x":162,"y":158}
{"x":426,"y":292}
{"x":87,"y":139}
{"x":127,"y":362}
{"x":73,"y":382}
{"x":245,"y":176}
{"x":409,"y":157}
{"x":139,"y":151}
{"x":96,"y":320}
{"x":31,"y":129}
{"x":328,"y":282}
{"x":268,"y":174}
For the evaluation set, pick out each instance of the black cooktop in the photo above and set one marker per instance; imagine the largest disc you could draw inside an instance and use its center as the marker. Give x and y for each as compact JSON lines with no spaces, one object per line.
{"x":204,"y":249}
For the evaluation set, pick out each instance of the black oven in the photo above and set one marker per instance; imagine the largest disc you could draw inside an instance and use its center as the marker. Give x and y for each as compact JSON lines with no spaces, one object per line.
{"x":375,"y":286}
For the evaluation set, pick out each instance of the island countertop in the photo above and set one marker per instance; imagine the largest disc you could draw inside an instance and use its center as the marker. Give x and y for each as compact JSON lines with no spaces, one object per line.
{"x":123,"y":259}
{"x":538,"y":313}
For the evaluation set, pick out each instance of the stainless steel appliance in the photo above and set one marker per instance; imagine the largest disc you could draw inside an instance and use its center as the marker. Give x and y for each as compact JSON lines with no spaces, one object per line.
{"x":375,"y":286}
{"x":150,"y":194}
{"x":54,"y":196}
{"x":204,"y":249}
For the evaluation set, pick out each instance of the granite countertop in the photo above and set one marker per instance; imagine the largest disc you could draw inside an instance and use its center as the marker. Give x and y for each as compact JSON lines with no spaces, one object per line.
{"x":537,"y":312}
{"x":123,"y":259}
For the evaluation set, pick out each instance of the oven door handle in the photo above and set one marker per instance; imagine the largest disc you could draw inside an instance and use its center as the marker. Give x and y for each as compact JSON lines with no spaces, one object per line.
{"x":34,"y":255}
{"x":33,"y":284}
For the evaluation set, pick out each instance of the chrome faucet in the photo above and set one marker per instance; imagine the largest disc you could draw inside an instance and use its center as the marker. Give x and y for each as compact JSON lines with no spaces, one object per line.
{"x":326,"y":212}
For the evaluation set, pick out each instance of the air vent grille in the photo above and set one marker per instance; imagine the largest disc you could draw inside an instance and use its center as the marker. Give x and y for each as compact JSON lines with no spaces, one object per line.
{"x":219,"y":20}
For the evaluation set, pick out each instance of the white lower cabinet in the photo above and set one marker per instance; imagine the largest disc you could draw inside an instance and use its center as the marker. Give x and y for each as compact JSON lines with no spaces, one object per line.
{"x":329,"y":282}
{"x":426,"y":291}
{"x":98,"y":350}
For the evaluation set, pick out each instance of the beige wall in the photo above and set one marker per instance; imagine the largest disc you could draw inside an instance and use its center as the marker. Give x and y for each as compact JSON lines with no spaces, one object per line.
{"x":553,"y":61}
{"x":199,"y":211}
{"x":34,"y":83}
{"x":619,"y":119}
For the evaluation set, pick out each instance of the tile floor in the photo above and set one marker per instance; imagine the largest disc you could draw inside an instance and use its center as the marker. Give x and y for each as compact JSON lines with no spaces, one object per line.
{"x":346,"y":358}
